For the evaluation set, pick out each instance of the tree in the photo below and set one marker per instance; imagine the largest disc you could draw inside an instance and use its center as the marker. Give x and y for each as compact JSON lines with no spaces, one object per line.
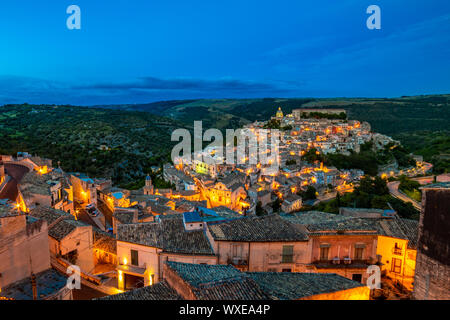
{"x":291,"y":162}
{"x":313,"y":155}
{"x":308,"y":194}
{"x":276,"y":205}
{"x":273,"y":124}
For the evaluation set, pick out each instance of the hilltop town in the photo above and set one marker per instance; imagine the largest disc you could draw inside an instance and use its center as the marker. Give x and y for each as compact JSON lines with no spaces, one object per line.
{"x":225,"y":231}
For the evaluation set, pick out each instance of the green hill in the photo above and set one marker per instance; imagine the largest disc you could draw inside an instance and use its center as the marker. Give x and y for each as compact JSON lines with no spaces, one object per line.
{"x":104,"y":143}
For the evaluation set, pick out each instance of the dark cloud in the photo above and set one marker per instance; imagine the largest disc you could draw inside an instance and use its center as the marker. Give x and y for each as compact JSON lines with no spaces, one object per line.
{"x":198,"y":85}
{"x":148,"y":89}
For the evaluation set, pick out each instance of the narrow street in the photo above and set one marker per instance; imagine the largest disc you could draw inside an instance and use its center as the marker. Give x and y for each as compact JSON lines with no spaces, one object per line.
{"x":16,"y":173}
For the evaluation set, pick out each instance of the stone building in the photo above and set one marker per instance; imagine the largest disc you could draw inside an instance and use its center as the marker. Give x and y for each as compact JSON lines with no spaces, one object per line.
{"x":224,"y":282}
{"x":432,"y":278}
{"x":266,"y":243}
{"x":25,"y":270}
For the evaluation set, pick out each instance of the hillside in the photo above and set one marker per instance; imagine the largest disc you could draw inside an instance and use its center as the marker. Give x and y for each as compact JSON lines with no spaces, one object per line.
{"x":106,"y":143}
{"x":419,"y":122}
{"x":387,"y":116}
{"x":123,"y":141}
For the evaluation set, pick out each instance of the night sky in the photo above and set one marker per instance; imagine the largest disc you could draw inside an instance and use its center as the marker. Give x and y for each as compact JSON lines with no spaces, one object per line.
{"x":139,"y":51}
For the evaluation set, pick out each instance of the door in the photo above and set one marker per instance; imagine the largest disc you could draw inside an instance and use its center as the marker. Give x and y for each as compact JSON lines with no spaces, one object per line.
{"x":396,"y":265}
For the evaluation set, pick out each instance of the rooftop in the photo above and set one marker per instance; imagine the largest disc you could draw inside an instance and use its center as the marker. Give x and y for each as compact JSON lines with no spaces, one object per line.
{"x":168,"y":234}
{"x":295,"y":285}
{"x":7,"y":209}
{"x":105,"y":242}
{"x":193,"y":216}
{"x":218,"y":282}
{"x":265,"y":228}
{"x":319,"y":223}
{"x":60,"y":223}
{"x":159,"y":291}
{"x":48,"y":282}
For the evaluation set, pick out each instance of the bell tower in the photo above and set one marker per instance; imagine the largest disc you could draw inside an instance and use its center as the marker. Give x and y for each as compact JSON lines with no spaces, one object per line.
{"x":279,"y":114}
{"x":148,"y":188}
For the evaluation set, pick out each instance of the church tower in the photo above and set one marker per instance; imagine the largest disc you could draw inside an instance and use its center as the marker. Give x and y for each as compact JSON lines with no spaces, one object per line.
{"x":148,"y":188}
{"x":279,"y":114}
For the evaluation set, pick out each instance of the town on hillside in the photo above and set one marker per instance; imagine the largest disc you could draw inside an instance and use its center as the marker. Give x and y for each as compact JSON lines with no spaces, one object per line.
{"x":234,"y":231}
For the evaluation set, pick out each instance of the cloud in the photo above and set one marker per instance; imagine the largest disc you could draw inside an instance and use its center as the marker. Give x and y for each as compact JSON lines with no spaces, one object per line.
{"x":147,"y":89}
{"x":224,"y":86}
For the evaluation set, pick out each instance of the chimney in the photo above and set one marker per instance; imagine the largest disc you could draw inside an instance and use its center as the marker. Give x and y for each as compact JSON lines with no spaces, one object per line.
{"x":33,"y":286}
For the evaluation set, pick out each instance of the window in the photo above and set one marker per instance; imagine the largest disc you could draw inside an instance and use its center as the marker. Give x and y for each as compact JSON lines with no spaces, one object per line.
{"x":286,"y":270}
{"x":396,"y":266}
{"x":357,"y":277}
{"x":324,"y":252}
{"x":359,"y":253}
{"x":288,"y":254}
{"x":397,"y":249}
{"x":134,"y":257}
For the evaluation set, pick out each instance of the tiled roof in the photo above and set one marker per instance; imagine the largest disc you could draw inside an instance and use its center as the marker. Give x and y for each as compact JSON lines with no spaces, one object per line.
{"x":35,"y":183}
{"x":48,"y":282}
{"x":400,"y":228}
{"x":147,"y":234}
{"x":233,"y":178}
{"x":193,"y":216}
{"x":224,"y":282}
{"x":225,"y":212}
{"x":60,"y":223}
{"x":63,"y":228}
{"x":8,"y":210}
{"x":158,"y":208}
{"x":48,"y":214}
{"x":124,"y":217}
{"x":411,"y":230}
{"x":292,"y":286}
{"x":327,"y":223}
{"x":159,"y":291}
{"x":292,"y":197}
{"x":218,"y":282}
{"x":168,"y":234}
{"x":264,"y":228}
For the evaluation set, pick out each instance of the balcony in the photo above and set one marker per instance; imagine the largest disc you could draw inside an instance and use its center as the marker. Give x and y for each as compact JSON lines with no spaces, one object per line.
{"x":341,"y":264}
{"x":397,"y":251}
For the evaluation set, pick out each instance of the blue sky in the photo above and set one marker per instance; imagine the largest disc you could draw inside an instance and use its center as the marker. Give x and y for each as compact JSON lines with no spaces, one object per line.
{"x":146,"y":50}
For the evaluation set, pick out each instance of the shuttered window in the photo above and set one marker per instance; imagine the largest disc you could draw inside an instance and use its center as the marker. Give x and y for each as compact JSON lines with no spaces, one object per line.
{"x":134,"y":258}
{"x":288,"y":254}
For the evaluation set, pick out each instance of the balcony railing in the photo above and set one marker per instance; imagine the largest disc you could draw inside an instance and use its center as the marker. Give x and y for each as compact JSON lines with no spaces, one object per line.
{"x":238,"y":262}
{"x":397,"y":251}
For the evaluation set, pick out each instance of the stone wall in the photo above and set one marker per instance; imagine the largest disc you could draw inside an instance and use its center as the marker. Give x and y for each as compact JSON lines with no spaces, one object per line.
{"x":432,"y":278}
